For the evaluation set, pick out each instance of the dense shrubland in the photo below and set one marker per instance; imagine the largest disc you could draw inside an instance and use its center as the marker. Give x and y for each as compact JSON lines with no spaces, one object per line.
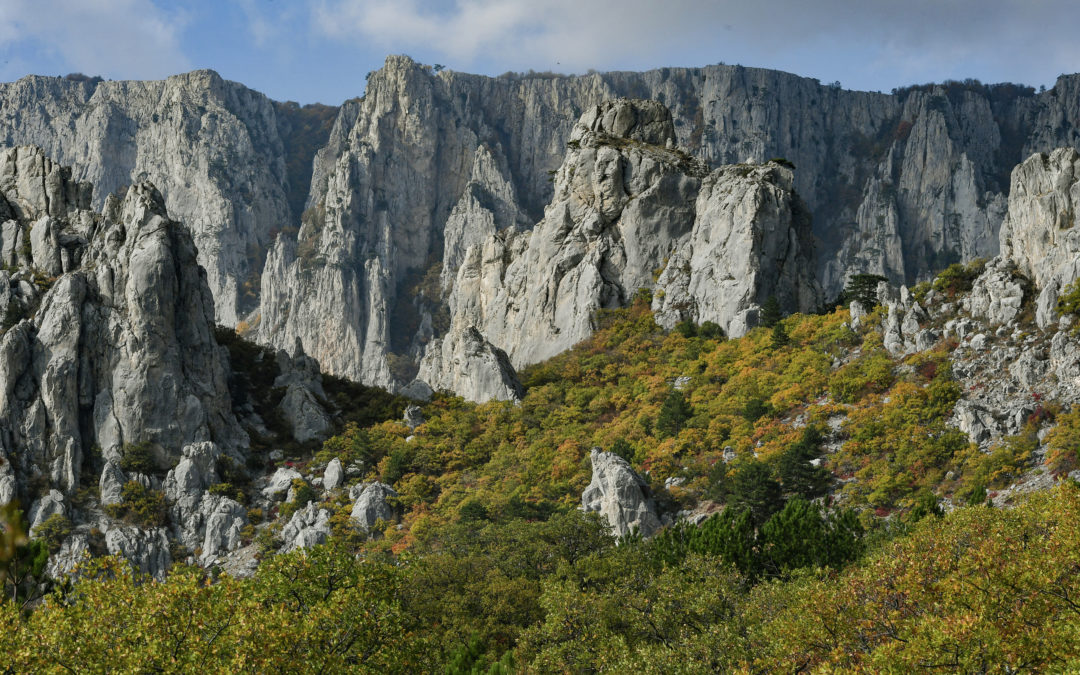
{"x":821,"y":459}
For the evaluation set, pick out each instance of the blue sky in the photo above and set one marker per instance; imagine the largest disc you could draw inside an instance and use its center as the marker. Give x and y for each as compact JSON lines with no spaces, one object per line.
{"x":321,"y":50}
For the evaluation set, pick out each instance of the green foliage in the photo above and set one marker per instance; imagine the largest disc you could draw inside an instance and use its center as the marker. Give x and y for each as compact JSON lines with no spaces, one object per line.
{"x":687,"y":328}
{"x":53,"y":531}
{"x":770,"y":312}
{"x":754,"y":488}
{"x":863,"y":287}
{"x":138,"y":458}
{"x":302,"y":495}
{"x":673,"y":414}
{"x":959,"y":278}
{"x":14,"y":313}
{"x":140,"y":506}
{"x":711,"y":331}
{"x":797,"y":475}
{"x":1069,"y":300}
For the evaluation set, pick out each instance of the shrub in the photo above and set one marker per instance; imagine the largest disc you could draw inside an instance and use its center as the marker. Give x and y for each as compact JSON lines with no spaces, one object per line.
{"x":54,"y":531}
{"x":959,"y":278}
{"x":138,"y":458}
{"x":140,"y":506}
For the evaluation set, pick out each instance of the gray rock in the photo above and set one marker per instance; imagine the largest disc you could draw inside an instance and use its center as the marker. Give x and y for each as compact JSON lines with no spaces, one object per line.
{"x":997,"y":294}
{"x":121,"y":348}
{"x":222,"y":520}
{"x":333,"y":475}
{"x":308,"y":527}
{"x":49,"y":505}
{"x":280,"y":483}
{"x":371,"y":504}
{"x":147,"y":550}
{"x":111,"y":484}
{"x":215,"y":149}
{"x":302,"y":407}
{"x":619,"y":495}
{"x":464,"y":362}
{"x":414,"y":416}
{"x":73,"y":551}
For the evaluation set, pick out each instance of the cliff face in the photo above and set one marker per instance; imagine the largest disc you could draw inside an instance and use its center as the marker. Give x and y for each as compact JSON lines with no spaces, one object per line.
{"x":213,"y":148}
{"x":1039,"y":240}
{"x":628,"y":206}
{"x":427,"y":164}
{"x":107,"y":337}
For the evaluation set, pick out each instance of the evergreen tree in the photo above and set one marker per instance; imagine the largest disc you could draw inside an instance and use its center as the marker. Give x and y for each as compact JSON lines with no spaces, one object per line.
{"x":673,"y":414}
{"x":863,"y":287}
{"x":798,"y":475}
{"x":754,"y":488}
{"x":770,"y":312}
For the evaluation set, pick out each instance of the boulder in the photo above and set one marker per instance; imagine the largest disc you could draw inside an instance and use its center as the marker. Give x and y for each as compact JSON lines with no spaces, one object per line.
{"x":371,"y":504}
{"x":620,"y":496}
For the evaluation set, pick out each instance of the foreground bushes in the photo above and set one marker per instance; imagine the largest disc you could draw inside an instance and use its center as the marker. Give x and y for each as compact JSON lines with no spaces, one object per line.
{"x":978,"y":590}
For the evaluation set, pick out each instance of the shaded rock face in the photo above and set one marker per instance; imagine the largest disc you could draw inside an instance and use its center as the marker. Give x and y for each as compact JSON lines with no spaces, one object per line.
{"x":216,"y":150}
{"x":620,"y":496}
{"x":119,"y":348}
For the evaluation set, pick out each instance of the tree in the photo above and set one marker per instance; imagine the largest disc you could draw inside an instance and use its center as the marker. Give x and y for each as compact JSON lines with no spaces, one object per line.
{"x":797,"y":474}
{"x":754,"y":488}
{"x":863,"y":287}
{"x":673,"y":414}
{"x":770,"y":312}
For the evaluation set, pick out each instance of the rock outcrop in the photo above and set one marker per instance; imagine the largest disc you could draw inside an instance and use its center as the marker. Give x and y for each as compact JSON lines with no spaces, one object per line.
{"x":215,"y":149}
{"x":371,"y":504}
{"x":117,"y":346}
{"x":620,"y":496}
{"x":627,"y":203}
{"x":751,"y":240}
{"x":1040,"y":245}
{"x":465,"y":363}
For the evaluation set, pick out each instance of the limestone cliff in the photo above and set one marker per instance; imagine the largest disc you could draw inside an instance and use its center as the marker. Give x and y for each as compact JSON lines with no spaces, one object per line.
{"x":1040,"y":244}
{"x":107,"y":334}
{"x":215,"y":149}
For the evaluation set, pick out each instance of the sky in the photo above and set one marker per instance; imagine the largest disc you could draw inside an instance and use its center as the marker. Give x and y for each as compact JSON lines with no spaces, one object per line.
{"x":321,"y":50}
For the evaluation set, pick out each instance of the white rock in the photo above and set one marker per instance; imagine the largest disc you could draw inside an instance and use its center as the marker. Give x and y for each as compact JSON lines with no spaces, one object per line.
{"x":619,"y":495}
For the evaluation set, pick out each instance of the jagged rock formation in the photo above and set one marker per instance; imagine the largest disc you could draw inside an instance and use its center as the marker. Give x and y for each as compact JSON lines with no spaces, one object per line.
{"x":215,"y":149}
{"x":308,"y":527}
{"x":1039,"y":243}
{"x":898,"y":185}
{"x":119,"y":348}
{"x":465,"y":363}
{"x":619,"y":495}
{"x":626,"y":203}
{"x":302,"y":406}
{"x":427,"y":164}
{"x":750,"y":240}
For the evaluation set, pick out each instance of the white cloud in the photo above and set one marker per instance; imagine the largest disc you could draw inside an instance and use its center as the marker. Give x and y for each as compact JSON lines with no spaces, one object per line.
{"x":129,"y":38}
{"x":1023,"y":39}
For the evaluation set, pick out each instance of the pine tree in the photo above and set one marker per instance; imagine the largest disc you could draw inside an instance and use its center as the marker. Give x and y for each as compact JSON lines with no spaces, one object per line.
{"x":673,"y":414}
{"x":770,"y":312}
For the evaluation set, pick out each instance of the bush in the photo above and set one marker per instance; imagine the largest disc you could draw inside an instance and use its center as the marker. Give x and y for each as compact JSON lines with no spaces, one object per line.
{"x":959,"y":278}
{"x":138,"y":458}
{"x":54,"y":531}
{"x":140,"y":506}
